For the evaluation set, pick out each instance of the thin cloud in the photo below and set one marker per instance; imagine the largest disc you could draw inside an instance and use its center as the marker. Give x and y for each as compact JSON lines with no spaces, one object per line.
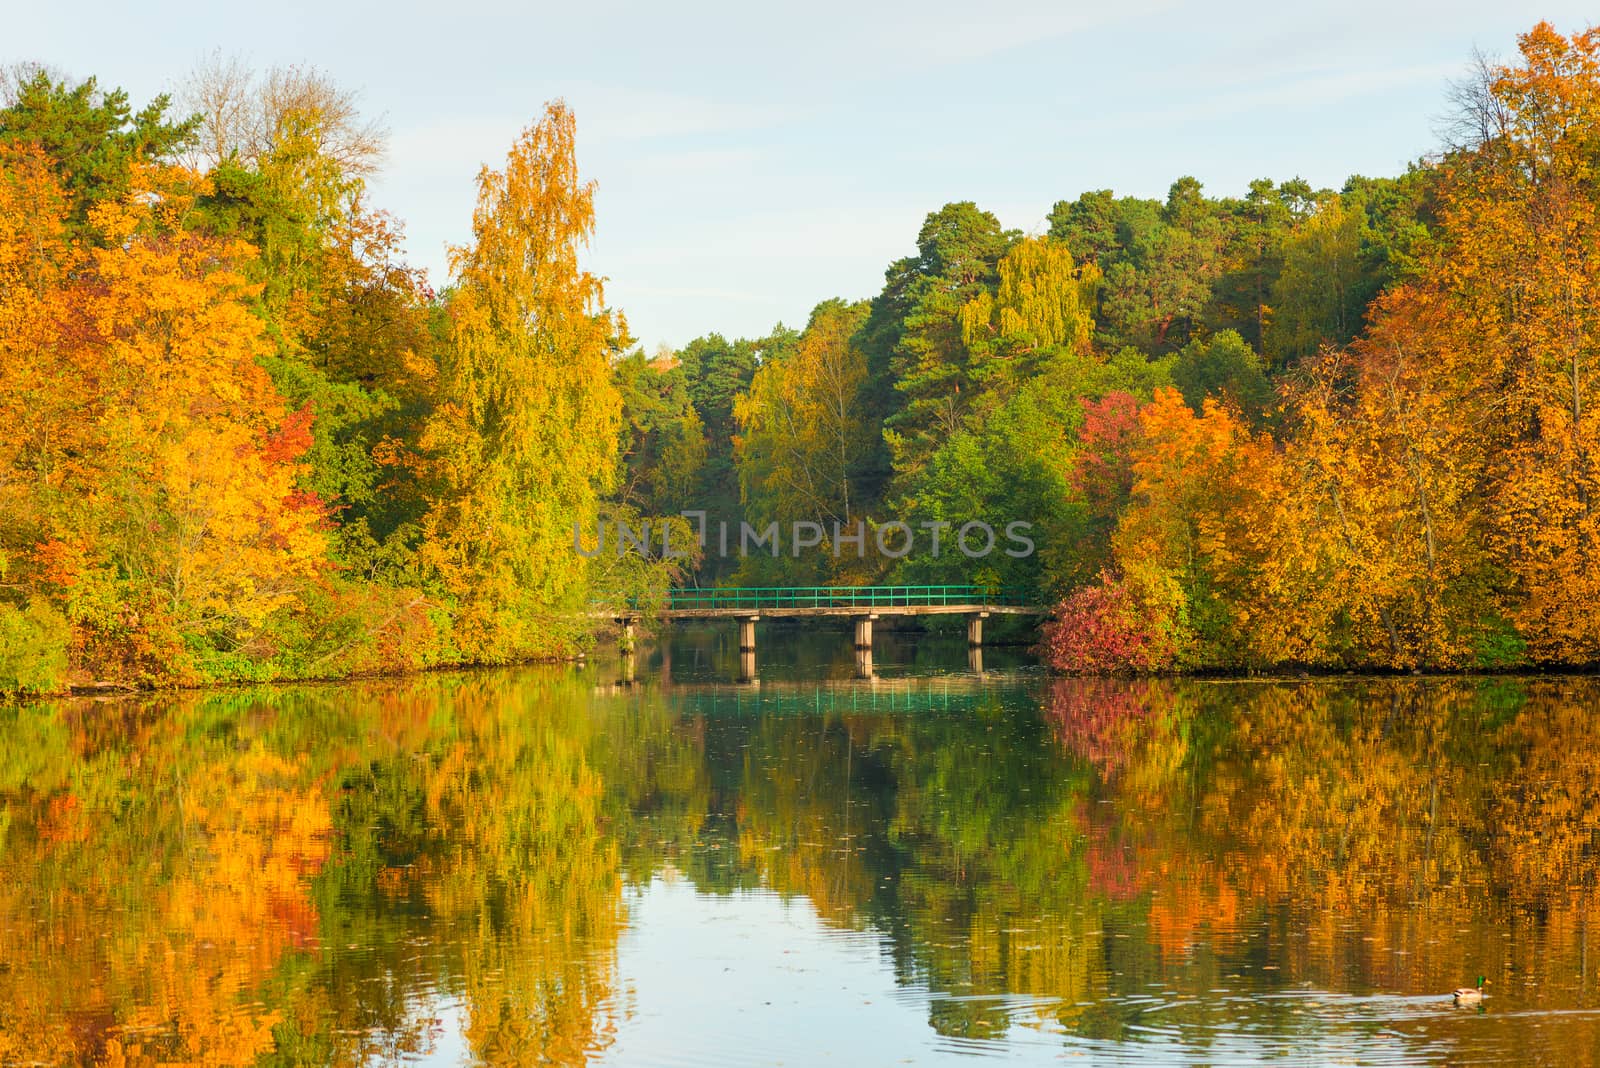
{"x":609,"y":113}
{"x":1278,"y":93}
{"x":700,"y":292}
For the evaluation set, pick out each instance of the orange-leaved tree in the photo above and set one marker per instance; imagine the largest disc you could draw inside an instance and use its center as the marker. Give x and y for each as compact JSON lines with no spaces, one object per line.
{"x":1522,"y":272}
{"x":1188,"y":551}
{"x":1473,"y":429}
{"x":153,"y":464}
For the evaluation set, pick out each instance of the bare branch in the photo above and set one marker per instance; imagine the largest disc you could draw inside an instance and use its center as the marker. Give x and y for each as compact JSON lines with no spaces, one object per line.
{"x":253,"y":116}
{"x":221,"y":92}
{"x":1476,"y":116}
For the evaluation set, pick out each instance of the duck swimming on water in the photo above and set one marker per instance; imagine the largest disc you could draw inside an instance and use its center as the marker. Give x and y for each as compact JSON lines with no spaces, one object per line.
{"x":1470,"y":995}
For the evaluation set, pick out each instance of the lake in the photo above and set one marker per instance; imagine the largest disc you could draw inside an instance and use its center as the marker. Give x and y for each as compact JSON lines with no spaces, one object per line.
{"x":650,"y":863}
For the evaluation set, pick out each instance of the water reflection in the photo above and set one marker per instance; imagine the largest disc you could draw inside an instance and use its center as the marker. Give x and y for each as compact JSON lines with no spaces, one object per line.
{"x":551,"y":866}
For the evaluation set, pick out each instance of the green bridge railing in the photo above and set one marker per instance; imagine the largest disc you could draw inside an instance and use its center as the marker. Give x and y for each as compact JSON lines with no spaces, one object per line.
{"x":758,"y":597}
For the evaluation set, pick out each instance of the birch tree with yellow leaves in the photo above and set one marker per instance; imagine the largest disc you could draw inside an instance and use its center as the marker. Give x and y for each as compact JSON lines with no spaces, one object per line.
{"x":526,"y":427}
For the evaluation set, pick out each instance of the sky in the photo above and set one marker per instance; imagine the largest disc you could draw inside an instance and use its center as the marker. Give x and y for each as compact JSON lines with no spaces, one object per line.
{"x":753,"y":159}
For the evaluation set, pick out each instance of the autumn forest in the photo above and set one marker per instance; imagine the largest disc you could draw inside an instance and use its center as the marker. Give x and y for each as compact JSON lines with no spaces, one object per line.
{"x":241,"y":439}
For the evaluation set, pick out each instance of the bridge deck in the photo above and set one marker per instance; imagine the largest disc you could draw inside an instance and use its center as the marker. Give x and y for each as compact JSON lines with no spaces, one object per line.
{"x":784,"y":601}
{"x":848,"y":611}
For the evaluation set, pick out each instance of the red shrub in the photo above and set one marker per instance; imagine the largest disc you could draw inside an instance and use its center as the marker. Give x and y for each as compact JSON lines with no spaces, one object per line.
{"x":1104,"y":629}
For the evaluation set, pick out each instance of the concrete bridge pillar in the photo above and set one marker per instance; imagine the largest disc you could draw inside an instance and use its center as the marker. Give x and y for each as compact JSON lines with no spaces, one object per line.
{"x":864,"y":663}
{"x":864,"y":632}
{"x":975,"y":629}
{"x":627,"y":637}
{"x":747,"y":647}
{"x":975,"y":659}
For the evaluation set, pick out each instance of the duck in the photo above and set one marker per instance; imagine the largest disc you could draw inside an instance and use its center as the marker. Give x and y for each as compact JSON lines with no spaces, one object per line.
{"x":1470,"y":995}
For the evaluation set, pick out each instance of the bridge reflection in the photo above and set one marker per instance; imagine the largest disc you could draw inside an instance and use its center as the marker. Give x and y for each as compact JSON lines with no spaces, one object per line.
{"x":920,"y":693}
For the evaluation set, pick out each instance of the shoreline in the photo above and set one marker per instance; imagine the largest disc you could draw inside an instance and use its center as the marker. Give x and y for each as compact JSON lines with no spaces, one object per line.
{"x":110,"y":690}
{"x":1265,"y":676}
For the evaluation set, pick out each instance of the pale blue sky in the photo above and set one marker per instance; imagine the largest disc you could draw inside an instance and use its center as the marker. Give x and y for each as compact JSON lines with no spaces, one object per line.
{"x":753,"y":160}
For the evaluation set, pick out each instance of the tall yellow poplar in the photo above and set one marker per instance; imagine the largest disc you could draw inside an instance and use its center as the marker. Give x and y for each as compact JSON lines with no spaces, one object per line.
{"x":526,"y":434}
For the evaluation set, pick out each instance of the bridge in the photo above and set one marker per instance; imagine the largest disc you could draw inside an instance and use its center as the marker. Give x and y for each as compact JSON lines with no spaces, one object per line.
{"x":778,"y":601}
{"x":864,"y":604}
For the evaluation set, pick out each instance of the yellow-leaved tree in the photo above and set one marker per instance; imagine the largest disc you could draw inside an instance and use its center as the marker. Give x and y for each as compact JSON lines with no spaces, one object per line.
{"x":43,"y":435}
{"x":801,"y":435}
{"x":525,"y":433}
{"x":1042,"y":306}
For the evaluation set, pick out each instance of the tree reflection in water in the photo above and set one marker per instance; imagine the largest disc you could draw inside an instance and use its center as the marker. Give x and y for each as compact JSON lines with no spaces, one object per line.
{"x":331,"y":875}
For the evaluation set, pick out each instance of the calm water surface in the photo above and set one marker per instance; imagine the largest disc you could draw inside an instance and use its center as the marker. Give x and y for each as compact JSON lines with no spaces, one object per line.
{"x":652,"y":864}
